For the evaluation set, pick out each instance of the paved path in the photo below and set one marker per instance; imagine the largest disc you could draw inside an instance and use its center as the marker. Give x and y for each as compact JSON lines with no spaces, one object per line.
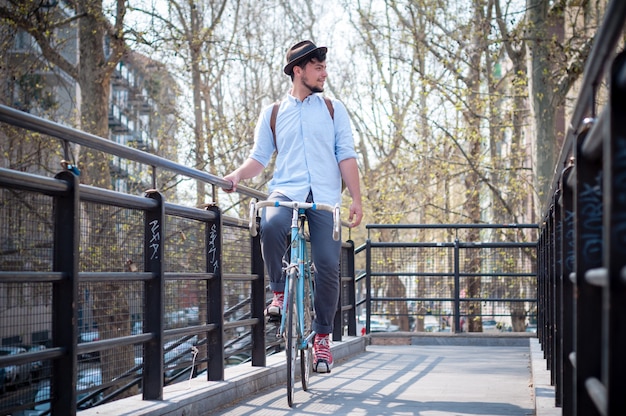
{"x":425,"y":380}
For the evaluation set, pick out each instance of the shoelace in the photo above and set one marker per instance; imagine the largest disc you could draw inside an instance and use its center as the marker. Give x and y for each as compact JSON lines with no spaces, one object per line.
{"x":278,"y":300}
{"x":322,"y":348}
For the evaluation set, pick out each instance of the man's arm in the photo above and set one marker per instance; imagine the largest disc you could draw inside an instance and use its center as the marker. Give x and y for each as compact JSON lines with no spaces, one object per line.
{"x":249,"y":169}
{"x":350,"y":174}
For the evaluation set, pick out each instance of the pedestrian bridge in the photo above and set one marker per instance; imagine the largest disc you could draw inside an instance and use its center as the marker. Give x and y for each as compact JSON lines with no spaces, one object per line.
{"x":90,"y":274}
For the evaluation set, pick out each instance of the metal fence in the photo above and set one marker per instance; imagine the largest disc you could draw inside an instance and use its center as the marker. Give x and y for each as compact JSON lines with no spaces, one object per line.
{"x":582,"y":244}
{"x":104,"y":295}
{"x":437,"y":278}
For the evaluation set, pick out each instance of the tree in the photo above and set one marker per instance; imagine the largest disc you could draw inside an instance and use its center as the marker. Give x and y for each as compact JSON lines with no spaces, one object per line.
{"x":77,"y":38}
{"x":100,"y":46}
{"x":559,"y":43}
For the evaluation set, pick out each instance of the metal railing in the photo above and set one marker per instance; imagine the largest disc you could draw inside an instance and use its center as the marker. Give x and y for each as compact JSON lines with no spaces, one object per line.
{"x":432,"y":278}
{"x":126,"y":292}
{"x":582,"y":244}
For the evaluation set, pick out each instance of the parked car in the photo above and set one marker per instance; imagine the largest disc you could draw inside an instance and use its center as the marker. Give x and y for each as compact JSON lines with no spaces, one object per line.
{"x":86,"y":379}
{"x":176,"y":319}
{"x":175,"y":355}
{"x":431,"y":323}
{"x":490,"y":325}
{"x":2,"y":380}
{"x":15,"y":374}
{"x":137,"y":328}
{"x":89,"y":336}
{"x":36,"y":366}
{"x":42,"y":398}
{"x":193,"y":315}
{"x":378,"y":324}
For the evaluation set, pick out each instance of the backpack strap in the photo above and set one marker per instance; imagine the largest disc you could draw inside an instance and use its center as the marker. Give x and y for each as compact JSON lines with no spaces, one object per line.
{"x":274,"y":114}
{"x":331,"y":109}
{"x":273,"y":121}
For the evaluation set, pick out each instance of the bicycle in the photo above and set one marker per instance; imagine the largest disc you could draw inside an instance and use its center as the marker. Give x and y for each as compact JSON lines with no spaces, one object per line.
{"x":298,"y":313}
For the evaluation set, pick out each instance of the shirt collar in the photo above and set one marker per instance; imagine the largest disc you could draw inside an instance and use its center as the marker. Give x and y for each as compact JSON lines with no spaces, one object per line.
{"x":295,"y":100}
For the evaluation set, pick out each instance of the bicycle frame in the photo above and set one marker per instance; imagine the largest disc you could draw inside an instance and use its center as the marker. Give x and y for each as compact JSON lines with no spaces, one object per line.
{"x":300,"y":254}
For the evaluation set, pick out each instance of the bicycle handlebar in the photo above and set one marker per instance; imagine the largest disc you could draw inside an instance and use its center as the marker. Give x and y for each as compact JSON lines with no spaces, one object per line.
{"x":255,"y":206}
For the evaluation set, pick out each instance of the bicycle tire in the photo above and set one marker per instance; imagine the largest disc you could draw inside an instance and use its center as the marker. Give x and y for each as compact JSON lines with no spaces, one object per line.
{"x":291,"y":341}
{"x":306,"y":353}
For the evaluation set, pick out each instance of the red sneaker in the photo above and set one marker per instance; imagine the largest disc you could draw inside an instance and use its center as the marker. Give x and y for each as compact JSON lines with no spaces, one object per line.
{"x":276,"y":307}
{"x":322,"y":357}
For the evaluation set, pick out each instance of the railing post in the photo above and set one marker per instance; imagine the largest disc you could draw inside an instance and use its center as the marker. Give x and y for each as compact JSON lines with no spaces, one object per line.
{"x":65,"y":295}
{"x":588,"y":222}
{"x":351,"y":289}
{"x":368,"y":284}
{"x":257,"y":300}
{"x":346,"y":293}
{"x":154,"y":232}
{"x":457,"y":288}
{"x":215,"y":297}
{"x":540,"y":279}
{"x":338,"y":318}
{"x":549,"y":336}
{"x":556,"y":298}
{"x":567,"y":294}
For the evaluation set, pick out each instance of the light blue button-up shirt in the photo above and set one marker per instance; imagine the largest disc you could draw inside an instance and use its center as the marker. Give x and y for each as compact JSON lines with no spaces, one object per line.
{"x":310,"y":146}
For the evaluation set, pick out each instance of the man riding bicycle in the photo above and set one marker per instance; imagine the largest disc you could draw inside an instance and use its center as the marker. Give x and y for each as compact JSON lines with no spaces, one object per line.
{"x":315,"y":152}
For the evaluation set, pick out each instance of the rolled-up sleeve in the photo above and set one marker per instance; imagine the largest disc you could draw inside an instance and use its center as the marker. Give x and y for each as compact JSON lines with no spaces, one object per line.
{"x":344,"y":142}
{"x":263,"y":148}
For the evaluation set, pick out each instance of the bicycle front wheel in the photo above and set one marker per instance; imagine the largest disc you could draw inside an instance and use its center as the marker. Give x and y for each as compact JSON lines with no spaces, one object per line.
{"x":291,"y":334}
{"x":306,"y":353}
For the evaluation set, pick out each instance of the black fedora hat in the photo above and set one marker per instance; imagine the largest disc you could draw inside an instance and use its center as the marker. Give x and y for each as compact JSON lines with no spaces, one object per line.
{"x":300,"y":51}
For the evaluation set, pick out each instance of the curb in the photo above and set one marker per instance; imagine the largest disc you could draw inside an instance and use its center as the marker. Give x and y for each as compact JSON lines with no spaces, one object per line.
{"x":543,"y":390}
{"x":201,"y":397}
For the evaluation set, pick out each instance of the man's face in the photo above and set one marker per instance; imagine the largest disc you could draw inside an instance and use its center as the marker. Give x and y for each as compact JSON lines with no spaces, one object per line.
{"x":314,"y":75}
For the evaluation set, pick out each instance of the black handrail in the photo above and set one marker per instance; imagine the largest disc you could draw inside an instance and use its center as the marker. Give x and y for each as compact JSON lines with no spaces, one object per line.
{"x":28,"y":121}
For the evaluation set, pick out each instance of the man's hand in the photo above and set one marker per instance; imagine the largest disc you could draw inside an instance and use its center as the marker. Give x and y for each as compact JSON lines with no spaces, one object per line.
{"x":356,"y":214}
{"x":350,"y":175}
{"x":249,"y":169}
{"x":233,"y":178}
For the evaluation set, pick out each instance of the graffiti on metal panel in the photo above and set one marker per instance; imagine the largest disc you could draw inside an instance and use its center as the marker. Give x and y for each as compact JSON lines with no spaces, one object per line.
{"x":618,"y":214}
{"x":590,"y":203}
{"x":569,"y":246}
{"x":155,"y":240}
{"x":213,"y":261}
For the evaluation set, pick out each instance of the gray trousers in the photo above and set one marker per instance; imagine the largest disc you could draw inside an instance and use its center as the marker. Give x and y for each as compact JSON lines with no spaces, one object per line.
{"x":325,"y":253}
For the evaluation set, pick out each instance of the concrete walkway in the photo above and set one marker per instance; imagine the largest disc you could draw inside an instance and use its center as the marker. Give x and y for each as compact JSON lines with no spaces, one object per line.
{"x":495,"y":378}
{"x":382,"y":375}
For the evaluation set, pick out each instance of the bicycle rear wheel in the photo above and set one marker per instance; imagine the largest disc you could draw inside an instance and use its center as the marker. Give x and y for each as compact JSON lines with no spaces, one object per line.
{"x":306,"y":353}
{"x":291,"y":334}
